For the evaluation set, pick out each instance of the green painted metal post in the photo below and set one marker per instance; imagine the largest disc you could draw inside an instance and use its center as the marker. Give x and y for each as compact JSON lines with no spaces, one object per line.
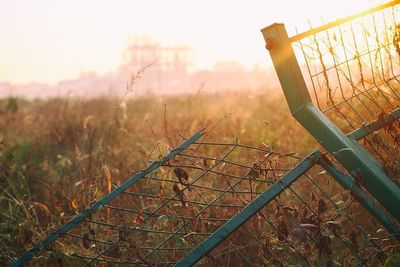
{"x":363,"y":167}
{"x":375,"y":125}
{"x":362,"y":197}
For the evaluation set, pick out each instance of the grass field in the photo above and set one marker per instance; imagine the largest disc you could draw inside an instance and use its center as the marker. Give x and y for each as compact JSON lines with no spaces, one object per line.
{"x":49,"y":147}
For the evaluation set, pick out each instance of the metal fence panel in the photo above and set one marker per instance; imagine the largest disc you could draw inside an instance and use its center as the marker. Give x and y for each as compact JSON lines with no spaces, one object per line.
{"x":353,"y":67}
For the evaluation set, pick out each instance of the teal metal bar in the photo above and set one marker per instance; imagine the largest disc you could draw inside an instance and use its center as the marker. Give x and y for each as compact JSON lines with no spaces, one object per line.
{"x":343,"y":20}
{"x":249,"y":210}
{"x":361,"y":196}
{"x":347,"y":151}
{"x":103,"y":201}
{"x":375,"y":125}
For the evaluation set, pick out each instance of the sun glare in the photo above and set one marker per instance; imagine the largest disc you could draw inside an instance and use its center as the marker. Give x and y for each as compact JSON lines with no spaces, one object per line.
{"x":49,"y":41}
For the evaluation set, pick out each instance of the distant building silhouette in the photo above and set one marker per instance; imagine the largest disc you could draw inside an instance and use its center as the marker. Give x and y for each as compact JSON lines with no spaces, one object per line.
{"x":169,"y":64}
{"x":156,"y":69}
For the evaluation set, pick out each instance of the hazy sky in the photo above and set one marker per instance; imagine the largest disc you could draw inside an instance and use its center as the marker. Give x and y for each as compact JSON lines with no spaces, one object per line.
{"x":52,"y":40}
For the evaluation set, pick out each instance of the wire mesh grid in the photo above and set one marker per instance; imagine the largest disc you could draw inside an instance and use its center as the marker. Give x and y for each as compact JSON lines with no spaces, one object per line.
{"x":353,"y":69}
{"x":170,"y":211}
{"x":314,"y":222}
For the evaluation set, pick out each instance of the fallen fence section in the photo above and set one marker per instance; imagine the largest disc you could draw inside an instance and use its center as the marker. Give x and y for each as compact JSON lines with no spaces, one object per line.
{"x":291,"y":230}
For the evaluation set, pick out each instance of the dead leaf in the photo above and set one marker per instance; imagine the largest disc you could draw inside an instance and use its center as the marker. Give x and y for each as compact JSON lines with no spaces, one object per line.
{"x":253,"y":174}
{"x":283,"y":231}
{"x":179,"y":194}
{"x":107,"y":175}
{"x":313,"y":198}
{"x":300,"y":234}
{"x":321,"y":206}
{"x":161,"y":193}
{"x":86,"y":241}
{"x":205,"y":163}
{"x":182,"y":175}
{"x":123,"y":234}
{"x":139,"y":218}
{"x":86,"y":121}
{"x":353,"y":240}
{"x":58,"y":206}
{"x":74,"y":204}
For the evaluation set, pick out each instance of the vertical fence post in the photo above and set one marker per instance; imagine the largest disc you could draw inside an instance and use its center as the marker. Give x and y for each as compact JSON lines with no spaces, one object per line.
{"x":362,"y":166}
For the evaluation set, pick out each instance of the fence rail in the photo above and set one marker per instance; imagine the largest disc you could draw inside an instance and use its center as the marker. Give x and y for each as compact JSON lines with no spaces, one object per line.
{"x":327,"y":26}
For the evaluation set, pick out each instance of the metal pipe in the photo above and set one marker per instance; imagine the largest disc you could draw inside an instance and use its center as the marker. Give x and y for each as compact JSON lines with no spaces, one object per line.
{"x":361,"y":165}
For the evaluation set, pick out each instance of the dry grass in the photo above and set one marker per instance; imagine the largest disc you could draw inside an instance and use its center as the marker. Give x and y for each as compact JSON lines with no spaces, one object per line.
{"x":49,"y":147}
{"x":60,"y":155}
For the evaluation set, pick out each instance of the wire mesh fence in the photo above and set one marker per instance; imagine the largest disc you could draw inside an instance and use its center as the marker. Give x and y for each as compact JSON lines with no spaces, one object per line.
{"x":172,"y":209}
{"x":314,"y":222}
{"x":353,"y":70}
{"x":169,"y":213}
